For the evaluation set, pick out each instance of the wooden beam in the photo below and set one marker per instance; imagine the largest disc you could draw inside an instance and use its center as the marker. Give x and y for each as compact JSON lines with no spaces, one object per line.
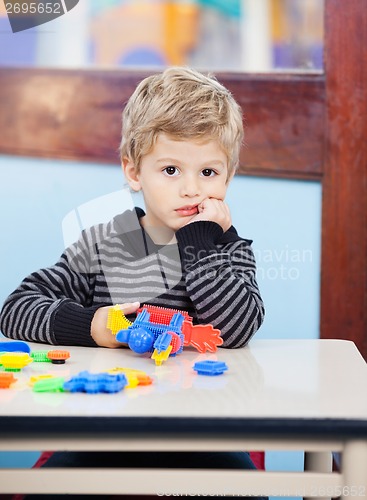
{"x":76,"y":114}
{"x":344,"y":219}
{"x":284,"y":124}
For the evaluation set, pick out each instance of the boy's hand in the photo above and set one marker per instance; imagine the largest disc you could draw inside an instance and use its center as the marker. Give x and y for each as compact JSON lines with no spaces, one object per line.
{"x":214,"y":210}
{"x":99,"y":331}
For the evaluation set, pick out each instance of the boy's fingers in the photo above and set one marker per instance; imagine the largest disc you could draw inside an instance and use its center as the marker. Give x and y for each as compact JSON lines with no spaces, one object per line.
{"x":129,"y":307}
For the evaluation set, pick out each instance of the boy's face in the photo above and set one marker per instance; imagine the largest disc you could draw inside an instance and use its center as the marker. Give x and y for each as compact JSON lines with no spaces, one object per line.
{"x":177,"y":176}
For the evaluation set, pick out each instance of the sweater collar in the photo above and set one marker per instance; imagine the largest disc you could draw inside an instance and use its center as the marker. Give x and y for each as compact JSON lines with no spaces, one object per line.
{"x":138,"y":242}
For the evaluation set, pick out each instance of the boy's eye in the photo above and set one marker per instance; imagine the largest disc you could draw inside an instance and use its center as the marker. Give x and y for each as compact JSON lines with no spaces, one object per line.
{"x":171,"y":170}
{"x":208,"y":172}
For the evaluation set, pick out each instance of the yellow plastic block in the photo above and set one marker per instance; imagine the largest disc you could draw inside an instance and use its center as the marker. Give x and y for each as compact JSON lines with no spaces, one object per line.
{"x":134,"y":377}
{"x":36,"y":378}
{"x":117,"y":320}
{"x":15,"y":361}
{"x":159,"y":357}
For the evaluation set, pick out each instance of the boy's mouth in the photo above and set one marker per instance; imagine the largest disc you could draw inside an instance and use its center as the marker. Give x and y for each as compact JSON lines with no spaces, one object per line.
{"x":188,"y":210}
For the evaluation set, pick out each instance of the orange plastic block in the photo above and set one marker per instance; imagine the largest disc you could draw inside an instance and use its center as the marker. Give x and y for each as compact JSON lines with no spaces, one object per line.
{"x":6,"y":379}
{"x":144,"y":379}
{"x":203,"y":338}
{"x":58,"y":357}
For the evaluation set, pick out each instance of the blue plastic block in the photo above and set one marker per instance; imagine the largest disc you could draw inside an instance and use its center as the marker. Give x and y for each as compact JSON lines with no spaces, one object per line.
{"x":123,"y":336}
{"x":14,"y":346}
{"x":142,"y":335}
{"x":141,"y":340}
{"x":209,"y":367}
{"x":176,"y":322}
{"x":93,"y":383}
{"x":162,"y":342}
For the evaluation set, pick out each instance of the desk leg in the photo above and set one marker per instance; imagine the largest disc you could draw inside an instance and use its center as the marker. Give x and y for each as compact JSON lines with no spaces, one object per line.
{"x":317,"y":461}
{"x":354,"y":470}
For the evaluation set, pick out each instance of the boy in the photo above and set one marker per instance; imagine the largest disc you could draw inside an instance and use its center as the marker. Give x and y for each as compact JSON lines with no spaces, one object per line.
{"x":181,"y":137}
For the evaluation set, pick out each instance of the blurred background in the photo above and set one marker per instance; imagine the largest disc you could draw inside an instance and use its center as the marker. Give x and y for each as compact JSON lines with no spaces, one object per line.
{"x":282,"y":216}
{"x":235,"y":35}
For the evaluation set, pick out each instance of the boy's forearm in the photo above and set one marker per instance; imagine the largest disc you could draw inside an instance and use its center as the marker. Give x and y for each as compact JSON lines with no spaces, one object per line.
{"x":225,"y":299}
{"x":71,"y":324}
{"x":50,"y":306}
{"x":221,"y":283}
{"x":26,"y":316}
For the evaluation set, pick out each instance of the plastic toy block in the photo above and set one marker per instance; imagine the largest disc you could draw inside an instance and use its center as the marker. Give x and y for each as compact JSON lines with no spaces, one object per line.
{"x":123,"y":336}
{"x":141,"y":377}
{"x":53,"y":384}
{"x":140,"y":340}
{"x":203,"y":338}
{"x":6,"y":379}
{"x":209,"y":367}
{"x":77,"y":383}
{"x":58,"y":357}
{"x":93,"y":383}
{"x":162,"y":342}
{"x":177,"y":343}
{"x":143,"y":324}
{"x":40,"y":357}
{"x":159,"y":357}
{"x":144,"y":379}
{"x":14,"y":346}
{"x":132,"y":381}
{"x":163,"y":315}
{"x":36,"y":378}
{"x":117,"y":320}
{"x":114,"y":383}
{"x":149,"y":332}
{"x":15,"y":362}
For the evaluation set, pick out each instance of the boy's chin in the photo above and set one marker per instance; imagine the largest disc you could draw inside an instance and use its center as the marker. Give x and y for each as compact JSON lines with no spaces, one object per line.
{"x":181,"y":224}
{"x":161,"y":234}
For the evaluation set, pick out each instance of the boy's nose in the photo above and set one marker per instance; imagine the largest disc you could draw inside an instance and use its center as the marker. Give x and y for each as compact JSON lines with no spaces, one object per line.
{"x":190,"y":188}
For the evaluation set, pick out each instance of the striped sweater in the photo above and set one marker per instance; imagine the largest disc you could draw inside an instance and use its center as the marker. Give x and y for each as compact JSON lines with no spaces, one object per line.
{"x":208,"y":273}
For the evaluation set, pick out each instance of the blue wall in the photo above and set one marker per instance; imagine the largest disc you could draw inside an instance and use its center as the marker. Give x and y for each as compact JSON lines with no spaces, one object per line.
{"x":282,"y":217}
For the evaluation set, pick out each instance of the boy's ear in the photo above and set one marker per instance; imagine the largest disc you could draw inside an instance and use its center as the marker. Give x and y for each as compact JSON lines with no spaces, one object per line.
{"x":131,"y":174}
{"x":230,"y":177}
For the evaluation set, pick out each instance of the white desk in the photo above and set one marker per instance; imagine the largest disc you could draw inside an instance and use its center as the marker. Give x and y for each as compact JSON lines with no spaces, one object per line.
{"x":276,"y":395}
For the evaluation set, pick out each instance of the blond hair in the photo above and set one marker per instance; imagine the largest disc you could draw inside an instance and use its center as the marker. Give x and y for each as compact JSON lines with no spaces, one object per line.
{"x":186,"y":105}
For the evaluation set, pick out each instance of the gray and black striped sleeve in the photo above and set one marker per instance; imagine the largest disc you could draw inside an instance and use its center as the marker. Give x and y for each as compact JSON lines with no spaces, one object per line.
{"x":53,"y":305}
{"x":221,"y":281}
